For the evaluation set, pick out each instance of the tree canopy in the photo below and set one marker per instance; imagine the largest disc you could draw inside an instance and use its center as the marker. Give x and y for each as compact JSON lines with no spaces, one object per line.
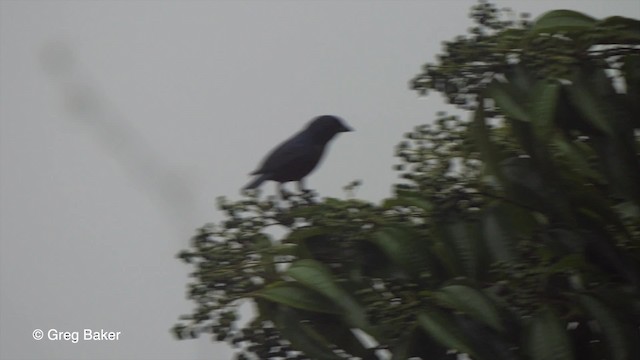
{"x":514,"y":234}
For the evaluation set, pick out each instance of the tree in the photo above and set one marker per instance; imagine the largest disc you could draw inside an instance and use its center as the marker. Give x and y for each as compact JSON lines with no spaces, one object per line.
{"x":515,"y":235}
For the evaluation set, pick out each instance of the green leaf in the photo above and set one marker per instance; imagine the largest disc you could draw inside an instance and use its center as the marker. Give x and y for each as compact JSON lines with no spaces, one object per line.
{"x":527,"y":186}
{"x":297,"y":297}
{"x":542,"y":103}
{"x":415,"y":343}
{"x":520,"y":80}
{"x":631,"y":72}
{"x":298,"y":235}
{"x":486,"y":343}
{"x":302,"y":336}
{"x":340,"y":334}
{"x":628,"y":210}
{"x":593,"y":108}
{"x":262,"y":244}
{"x":498,"y":234}
{"x":303,"y":239}
{"x":402,"y":349}
{"x":626,"y":28}
{"x":402,"y":247}
{"x":505,"y":97}
{"x":472,"y":302}
{"x":444,"y":330}
{"x":613,"y":331}
{"x":562,"y":21}
{"x":569,"y":264}
{"x":482,"y":138}
{"x":576,"y":159}
{"x":547,"y":338}
{"x":524,"y":136}
{"x":408,"y":198}
{"x":621,"y":21}
{"x":317,"y":277}
{"x":621,"y":165}
{"x":466,"y":245}
{"x":444,"y":252}
{"x":283,"y":249}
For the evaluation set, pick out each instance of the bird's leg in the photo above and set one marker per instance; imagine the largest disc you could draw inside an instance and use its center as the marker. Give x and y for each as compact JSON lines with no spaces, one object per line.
{"x":301,"y":187}
{"x":283,"y":192}
{"x":305,"y":194}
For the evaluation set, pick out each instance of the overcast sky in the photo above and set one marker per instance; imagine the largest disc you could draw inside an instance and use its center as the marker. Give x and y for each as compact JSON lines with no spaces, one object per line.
{"x":122,"y":121}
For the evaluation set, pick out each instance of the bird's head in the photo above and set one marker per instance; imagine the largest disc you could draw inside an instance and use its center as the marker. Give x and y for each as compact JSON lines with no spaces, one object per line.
{"x":326,"y":126}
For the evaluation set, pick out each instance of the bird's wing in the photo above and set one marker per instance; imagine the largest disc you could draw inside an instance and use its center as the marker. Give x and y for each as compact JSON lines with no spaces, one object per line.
{"x":290,"y":152}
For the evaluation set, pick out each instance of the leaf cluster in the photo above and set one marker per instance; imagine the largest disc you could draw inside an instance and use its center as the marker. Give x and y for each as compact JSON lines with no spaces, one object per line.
{"x":515,"y":235}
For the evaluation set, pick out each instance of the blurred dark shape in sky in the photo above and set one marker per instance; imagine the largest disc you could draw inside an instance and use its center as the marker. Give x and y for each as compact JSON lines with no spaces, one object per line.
{"x":84,"y":102}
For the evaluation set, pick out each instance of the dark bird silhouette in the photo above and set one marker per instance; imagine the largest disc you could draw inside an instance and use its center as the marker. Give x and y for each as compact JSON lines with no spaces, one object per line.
{"x":299,"y":155}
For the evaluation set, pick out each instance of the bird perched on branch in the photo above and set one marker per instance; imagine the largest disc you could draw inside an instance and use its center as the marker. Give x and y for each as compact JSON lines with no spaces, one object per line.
{"x":299,"y":155}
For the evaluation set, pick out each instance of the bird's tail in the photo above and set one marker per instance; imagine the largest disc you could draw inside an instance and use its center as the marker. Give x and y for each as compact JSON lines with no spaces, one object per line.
{"x":256,"y":182}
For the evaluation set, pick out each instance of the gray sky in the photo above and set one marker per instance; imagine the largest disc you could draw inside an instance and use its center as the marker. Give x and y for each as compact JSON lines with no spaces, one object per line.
{"x":122,"y":121}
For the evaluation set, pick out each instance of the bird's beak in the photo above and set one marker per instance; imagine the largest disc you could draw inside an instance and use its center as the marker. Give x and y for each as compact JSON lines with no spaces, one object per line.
{"x":345,"y":128}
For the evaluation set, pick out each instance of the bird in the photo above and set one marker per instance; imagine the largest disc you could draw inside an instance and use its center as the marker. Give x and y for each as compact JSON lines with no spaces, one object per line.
{"x":298,"y":156}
